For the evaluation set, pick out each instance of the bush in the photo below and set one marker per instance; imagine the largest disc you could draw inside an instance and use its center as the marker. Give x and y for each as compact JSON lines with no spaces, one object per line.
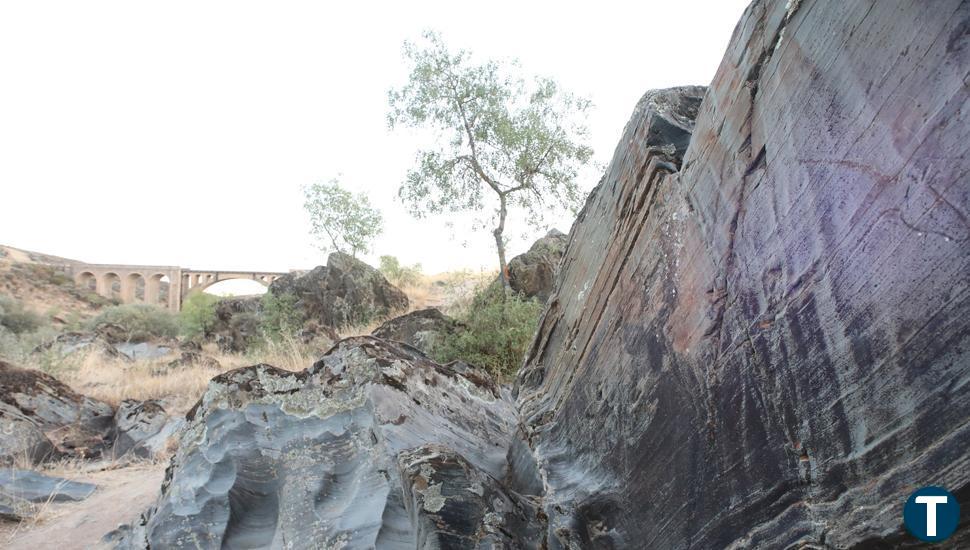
{"x":280,"y":318}
{"x":496,"y":332}
{"x":400,"y":275}
{"x":198,"y":315}
{"x":16,"y":318}
{"x":140,"y":322}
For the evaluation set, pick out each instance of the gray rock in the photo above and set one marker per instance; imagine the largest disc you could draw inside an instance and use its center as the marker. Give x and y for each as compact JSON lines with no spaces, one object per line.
{"x":345,"y":292}
{"x":422,"y":328}
{"x":533,"y":274}
{"x":20,"y":490}
{"x":764,"y":344}
{"x":72,"y":342}
{"x":43,"y":418}
{"x":142,"y":429}
{"x":315,"y":458}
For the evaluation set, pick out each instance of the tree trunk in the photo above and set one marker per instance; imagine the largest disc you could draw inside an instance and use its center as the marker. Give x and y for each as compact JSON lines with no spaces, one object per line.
{"x":503,"y":268}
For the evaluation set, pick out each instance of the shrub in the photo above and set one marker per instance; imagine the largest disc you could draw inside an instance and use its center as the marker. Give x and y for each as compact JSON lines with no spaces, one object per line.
{"x":140,"y":322}
{"x":16,"y":318}
{"x":198,"y":315}
{"x":280,"y":318}
{"x":496,"y":333}
{"x":400,"y":275}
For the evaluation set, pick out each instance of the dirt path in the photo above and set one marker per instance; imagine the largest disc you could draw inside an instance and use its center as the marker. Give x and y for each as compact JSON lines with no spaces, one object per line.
{"x":121,"y":496}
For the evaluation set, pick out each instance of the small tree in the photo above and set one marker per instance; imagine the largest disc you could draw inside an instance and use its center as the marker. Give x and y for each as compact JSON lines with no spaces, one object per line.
{"x":521,"y":144}
{"x":341,"y":220}
{"x":198,"y":314}
{"x":402,"y":275}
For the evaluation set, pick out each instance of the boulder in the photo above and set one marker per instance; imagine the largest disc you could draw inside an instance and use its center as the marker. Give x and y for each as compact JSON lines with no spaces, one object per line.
{"x":71,"y":342}
{"x":194,"y":358}
{"x":236,"y":323}
{"x":533,"y":274}
{"x":372,"y":446}
{"x":421,"y":329}
{"x":42,"y":418}
{"x":759,"y":339}
{"x":343,"y":293}
{"x":142,"y":429}
{"x":21,"y":490}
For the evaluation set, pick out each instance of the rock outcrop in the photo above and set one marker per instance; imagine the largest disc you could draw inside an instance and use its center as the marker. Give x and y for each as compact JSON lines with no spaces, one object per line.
{"x":533,"y":274}
{"x":761,"y":341}
{"x":373,"y":446}
{"x":142,"y":429}
{"x":757,"y":340}
{"x":342,"y":293}
{"x":236,"y":323}
{"x":41,"y":418}
{"x":422,"y":328}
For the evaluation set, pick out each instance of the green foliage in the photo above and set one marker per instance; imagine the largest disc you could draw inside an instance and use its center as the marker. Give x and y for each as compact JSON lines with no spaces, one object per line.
{"x":497,"y":331}
{"x":140,"y":322}
{"x":198,"y":315}
{"x":280,"y":317}
{"x":497,"y":135}
{"x":400,"y":275}
{"x":17,"y":319}
{"x":341,"y":220}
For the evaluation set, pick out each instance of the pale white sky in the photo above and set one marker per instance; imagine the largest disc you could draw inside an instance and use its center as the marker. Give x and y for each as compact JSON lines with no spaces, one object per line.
{"x":181,"y":132}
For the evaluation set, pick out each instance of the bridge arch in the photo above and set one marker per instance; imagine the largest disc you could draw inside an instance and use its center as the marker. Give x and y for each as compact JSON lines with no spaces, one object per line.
{"x":87,"y":281}
{"x":110,"y":285}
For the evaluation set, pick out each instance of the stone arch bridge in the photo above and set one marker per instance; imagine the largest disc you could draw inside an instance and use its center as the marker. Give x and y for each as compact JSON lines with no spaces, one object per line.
{"x":156,"y":284}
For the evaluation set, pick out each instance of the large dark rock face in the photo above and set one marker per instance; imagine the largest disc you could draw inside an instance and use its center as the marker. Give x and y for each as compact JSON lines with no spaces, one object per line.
{"x":533,"y":274}
{"x":42,"y":418}
{"x":344,"y":292}
{"x":236,"y":324}
{"x":373,"y":446}
{"x":764,"y":343}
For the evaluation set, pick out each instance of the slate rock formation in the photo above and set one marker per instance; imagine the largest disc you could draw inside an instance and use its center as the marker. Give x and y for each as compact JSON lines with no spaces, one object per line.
{"x":374,"y":445}
{"x":533,"y":274}
{"x":142,"y":429}
{"x":21,"y":490}
{"x":762,"y":341}
{"x":421,"y":328}
{"x":342,"y":293}
{"x":42,"y":418}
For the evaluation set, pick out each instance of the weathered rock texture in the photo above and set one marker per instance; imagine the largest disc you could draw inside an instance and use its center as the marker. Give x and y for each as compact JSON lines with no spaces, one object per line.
{"x":41,"y":418}
{"x":236,"y":323}
{"x":22,"y":490}
{"x":373,"y":446}
{"x":422,"y":328}
{"x":533,"y":274}
{"x":763,"y":344}
{"x":344,"y":292}
{"x":142,"y":429}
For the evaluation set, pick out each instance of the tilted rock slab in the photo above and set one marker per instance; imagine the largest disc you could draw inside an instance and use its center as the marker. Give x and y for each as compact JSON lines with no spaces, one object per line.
{"x":42,"y":418}
{"x":373,"y":446}
{"x":765,"y":344}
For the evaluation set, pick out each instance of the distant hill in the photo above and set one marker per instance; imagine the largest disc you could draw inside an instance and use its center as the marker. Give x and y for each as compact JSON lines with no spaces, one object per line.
{"x":39,"y":282}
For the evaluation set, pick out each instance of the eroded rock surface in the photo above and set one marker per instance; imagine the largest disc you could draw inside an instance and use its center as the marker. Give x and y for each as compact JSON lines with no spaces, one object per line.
{"x":21,"y":490}
{"x":142,"y":428}
{"x":344,"y":292}
{"x":533,"y":274}
{"x":328,"y":457}
{"x":422,"y":328}
{"x":763,"y":344}
{"x":42,"y":418}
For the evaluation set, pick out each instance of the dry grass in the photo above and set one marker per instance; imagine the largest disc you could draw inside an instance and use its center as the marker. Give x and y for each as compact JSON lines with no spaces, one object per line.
{"x":113,"y":380}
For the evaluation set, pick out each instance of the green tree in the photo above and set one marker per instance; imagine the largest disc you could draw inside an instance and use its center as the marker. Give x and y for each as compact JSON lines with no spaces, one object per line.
{"x":198,"y":314}
{"x":522,"y":144}
{"x":341,"y":220}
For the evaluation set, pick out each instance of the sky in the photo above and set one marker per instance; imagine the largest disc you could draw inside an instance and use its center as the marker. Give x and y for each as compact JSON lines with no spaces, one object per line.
{"x":182,"y":132}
